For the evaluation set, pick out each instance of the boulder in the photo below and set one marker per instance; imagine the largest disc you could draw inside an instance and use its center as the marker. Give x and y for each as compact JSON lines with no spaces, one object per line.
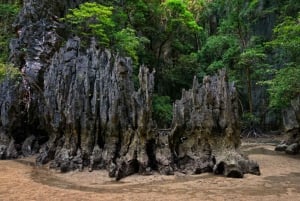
{"x":290,"y":119}
{"x":3,"y":150}
{"x":28,"y":145}
{"x":231,"y":163}
{"x":281,"y":147}
{"x":11,"y":152}
{"x":293,"y":149}
{"x":291,"y":125}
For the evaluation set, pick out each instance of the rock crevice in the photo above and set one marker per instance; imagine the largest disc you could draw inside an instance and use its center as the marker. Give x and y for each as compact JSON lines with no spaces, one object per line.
{"x":94,"y":110}
{"x":79,"y":108}
{"x":205,"y":133}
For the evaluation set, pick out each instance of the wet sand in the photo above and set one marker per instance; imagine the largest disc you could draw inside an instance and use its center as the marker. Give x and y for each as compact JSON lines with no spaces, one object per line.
{"x":280,"y":180}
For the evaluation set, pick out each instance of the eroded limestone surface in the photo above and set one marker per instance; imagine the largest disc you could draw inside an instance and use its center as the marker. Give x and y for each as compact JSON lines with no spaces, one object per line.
{"x":77,"y":107}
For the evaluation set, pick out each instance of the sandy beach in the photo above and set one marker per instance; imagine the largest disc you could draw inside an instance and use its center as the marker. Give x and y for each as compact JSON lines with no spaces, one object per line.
{"x":280,"y":180}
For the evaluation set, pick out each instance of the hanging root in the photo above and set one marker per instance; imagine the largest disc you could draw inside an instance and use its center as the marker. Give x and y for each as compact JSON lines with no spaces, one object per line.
{"x":252,"y":132}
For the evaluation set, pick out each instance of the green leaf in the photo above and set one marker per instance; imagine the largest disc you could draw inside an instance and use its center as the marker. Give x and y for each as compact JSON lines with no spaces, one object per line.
{"x":128,"y":43}
{"x":92,"y":19}
{"x":162,"y":109}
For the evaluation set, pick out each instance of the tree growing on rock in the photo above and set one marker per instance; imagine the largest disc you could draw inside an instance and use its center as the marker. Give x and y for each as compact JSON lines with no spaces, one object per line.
{"x":97,"y":20}
{"x":285,"y":85}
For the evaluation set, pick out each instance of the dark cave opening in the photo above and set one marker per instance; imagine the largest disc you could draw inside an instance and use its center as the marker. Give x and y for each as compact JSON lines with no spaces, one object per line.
{"x":150,"y":150}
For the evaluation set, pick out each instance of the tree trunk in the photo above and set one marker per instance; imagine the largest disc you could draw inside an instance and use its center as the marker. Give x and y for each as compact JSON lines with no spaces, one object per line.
{"x":85,"y":112}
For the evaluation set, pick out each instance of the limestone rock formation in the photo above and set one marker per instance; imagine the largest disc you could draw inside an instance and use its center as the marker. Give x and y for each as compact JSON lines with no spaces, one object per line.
{"x":38,"y":37}
{"x":77,"y":107}
{"x":291,"y":124}
{"x":95,"y":116}
{"x":205,"y":129}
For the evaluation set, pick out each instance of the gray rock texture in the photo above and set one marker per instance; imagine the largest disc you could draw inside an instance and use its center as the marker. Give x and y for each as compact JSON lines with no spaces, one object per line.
{"x":95,"y":115}
{"x":205,"y":128}
{"x":77,"y":107}
{"x":293,"y":149}
{"x":291,"y":125}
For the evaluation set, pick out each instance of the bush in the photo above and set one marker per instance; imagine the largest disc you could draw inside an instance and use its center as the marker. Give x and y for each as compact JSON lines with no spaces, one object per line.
{"x":8,"y":71}
{"x":162,"y":110}
{"x":285,"y":86}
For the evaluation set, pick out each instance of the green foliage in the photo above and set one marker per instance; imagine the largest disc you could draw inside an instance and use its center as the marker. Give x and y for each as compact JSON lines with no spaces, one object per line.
{"x":245,"y":58}
{"x":7,"y":14}
{"x":254,"y":58}
{"x":96,"y":20}
{"x":7,"y":71}
{"x":219,"y":51}
{"x":177,"y":14}
{"x":249,"y":120}
{"x":158,"y":34}
{"x":239,"y":16}
{"x":127,"y":42}
{"x":287,"y":38}
{"x":92,"y":19}
{"x":289,"y":8}
{"x":183,"y":38}
{"x":196,"y":7}
{"x":2,"y":71}
{"x":171,"y":29}
{"x":162,"y":110}
{"x":180,"y":76}
{"x":285,"y":85}
{"x":8,"y":10}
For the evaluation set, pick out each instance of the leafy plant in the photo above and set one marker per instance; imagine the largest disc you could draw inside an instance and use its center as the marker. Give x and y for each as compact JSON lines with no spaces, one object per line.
{"x":177,"y":14}
{"x":249,"y":119}
{"x":8,"y":12}
{"x":219,"y":51}
{"x":285,"y":85}
{"x":92,"y":19}
{"x":8,"y":71}
{"x":250,"y":125}
{"x":96,"y":20}
{"x":162,"y":110}
{"x":251,"y":61}
{"x":286,"y":38}
{"x":127,"y":42}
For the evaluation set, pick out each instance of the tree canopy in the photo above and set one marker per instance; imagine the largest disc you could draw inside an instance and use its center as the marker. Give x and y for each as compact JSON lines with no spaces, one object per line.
{"x":286,"y":44}
{"x":256,"y":41}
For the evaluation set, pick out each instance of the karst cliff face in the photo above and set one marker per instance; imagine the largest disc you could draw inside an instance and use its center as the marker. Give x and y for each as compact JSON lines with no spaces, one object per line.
{"x":94,"y":114}
{"x":77,"y":108}
{"x":38,"y":37}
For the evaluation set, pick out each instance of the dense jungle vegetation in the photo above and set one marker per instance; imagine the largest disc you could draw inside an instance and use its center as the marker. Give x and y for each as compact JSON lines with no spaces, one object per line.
{"x":257,"y":41}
